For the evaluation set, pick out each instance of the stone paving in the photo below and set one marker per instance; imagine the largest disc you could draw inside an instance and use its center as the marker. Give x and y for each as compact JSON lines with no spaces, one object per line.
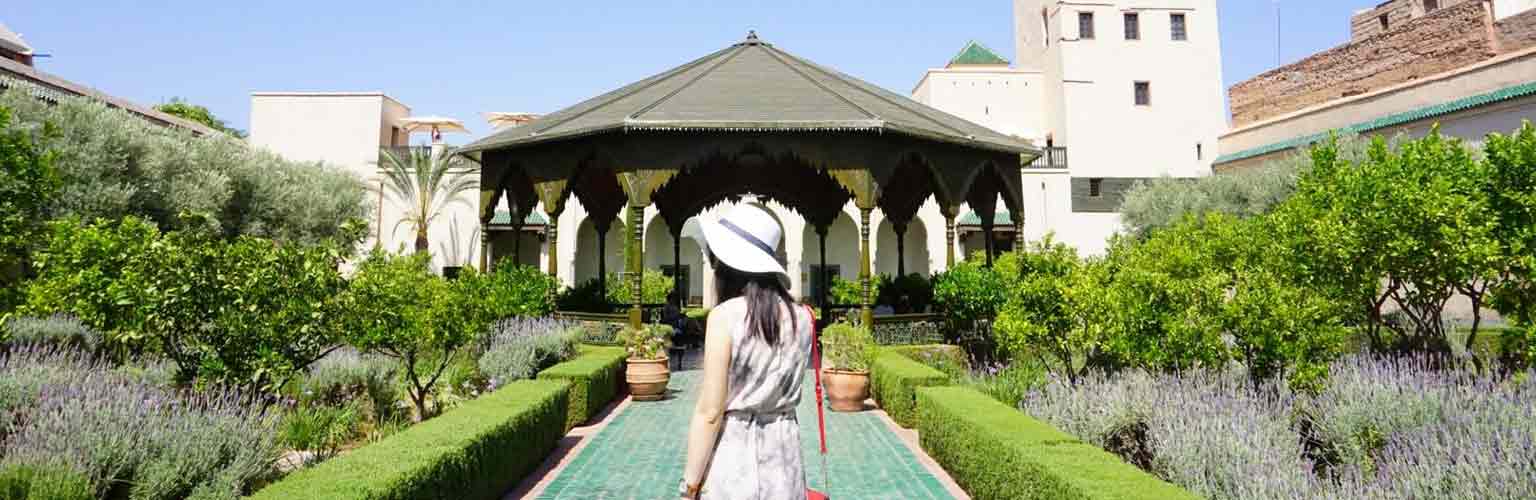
{"x":640,"y":454}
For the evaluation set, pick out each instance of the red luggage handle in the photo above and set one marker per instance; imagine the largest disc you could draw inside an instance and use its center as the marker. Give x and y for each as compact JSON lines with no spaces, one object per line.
{"x":821,"y":419}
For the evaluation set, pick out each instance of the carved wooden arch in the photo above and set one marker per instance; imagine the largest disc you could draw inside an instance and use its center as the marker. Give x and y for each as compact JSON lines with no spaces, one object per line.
{"x":899,"y":201}
{"x":783,"y":178}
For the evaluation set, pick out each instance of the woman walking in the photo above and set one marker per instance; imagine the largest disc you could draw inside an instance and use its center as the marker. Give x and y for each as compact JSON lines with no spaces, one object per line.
{"x":744,"y":440}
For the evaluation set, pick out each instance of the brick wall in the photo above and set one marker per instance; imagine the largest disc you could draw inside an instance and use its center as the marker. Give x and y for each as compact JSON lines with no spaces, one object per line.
{"x":1367,"y":23}
{"x":1517,"y":32}
{"x":1446,"y":39}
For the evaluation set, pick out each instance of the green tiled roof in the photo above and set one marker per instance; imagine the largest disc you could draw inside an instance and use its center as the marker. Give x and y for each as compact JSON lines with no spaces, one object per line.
{"x":504,"y":217}
{"x":999,"y":218}
{"x":976,"y":53}
{"x":1423,"y":113}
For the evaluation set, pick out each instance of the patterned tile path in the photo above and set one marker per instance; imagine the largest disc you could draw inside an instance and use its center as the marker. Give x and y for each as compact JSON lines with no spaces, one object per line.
{"x":639,"y":455}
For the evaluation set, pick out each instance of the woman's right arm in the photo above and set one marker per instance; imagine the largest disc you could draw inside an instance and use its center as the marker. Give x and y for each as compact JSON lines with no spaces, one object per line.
{"x":704,"y":430}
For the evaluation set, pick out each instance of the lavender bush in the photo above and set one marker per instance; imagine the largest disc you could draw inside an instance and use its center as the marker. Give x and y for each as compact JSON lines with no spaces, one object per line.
{"x":517,"y":348}
{"x":64,"y":408}
{"x":345,"y":376}
{"x":1379,"y":429}
{"x":59,"y":329}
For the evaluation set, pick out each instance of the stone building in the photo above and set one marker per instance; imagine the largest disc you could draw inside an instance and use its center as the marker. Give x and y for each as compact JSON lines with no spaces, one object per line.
{"x":1466,"y":65}
{"x":1116,"y":92}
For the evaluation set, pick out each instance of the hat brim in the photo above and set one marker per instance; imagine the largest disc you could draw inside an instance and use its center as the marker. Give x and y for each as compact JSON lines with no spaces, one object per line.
{"x":738,"y":253}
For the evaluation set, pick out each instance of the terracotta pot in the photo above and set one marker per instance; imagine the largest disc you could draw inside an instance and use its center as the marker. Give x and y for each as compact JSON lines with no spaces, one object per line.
{"x":647,"y":378}
{"x":846,"y":390}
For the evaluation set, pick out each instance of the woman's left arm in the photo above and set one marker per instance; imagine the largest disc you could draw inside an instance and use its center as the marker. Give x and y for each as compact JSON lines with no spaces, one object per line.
{"x":709,"y":413}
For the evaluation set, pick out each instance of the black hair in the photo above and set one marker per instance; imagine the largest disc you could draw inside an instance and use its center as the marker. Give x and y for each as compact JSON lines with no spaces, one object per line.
{"x":763,"y":293}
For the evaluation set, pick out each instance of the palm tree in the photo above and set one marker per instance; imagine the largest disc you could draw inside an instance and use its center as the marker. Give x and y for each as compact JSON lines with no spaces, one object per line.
{"x":423,"y":184}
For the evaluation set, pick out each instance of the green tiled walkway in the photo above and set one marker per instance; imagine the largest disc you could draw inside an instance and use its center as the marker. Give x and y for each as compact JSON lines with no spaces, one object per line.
{"x":640,"y":454}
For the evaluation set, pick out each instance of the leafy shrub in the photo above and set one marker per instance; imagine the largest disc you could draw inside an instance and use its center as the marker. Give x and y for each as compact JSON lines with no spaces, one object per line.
{"x":66,"y":409}
{"x":968,"y":292}
{"x":1251,"y":192}
{"x":44,"y":482}
{"x":512,"y":291}
{"x":518,"y":348}
{"x":508,"y":431}
{"x":79,"y":267}
{"x":320,"y":430}
{"x":912,"y":293}
{"x":654,"y":287}
{"x":893,"y":380}
{"x":595,"y":376}
{"x":850,"y":292}
{"x":847,"y":347}
{"x":28,"y":183}
{"x":993,"y":451}
{"x":415,"y":317}
{"x":56,"y":330}
{"x":587,"y":296}
{"x":647,"y":342}
{"x":246,"y":312}
{"x":113,"y":164}
{"x":1056,"y":307}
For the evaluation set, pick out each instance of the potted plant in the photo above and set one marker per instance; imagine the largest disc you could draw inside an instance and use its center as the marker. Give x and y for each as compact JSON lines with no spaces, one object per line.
{"x":646,"y":369}
{"x":846,"y":353}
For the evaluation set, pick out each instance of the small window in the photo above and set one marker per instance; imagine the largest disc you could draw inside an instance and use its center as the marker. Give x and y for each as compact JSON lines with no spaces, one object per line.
{"x":1176,"y":24}
{"x":1095,"y":188}
{"x":1384,"y":22}
{"x":1085,"y":25}
{"x":1143,"y":93}
{"x":1132,"y":26}
{"x":1431,"y":5}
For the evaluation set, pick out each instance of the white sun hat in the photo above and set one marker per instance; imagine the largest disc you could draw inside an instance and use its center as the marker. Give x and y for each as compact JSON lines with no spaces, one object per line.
{"x":744,"y":239}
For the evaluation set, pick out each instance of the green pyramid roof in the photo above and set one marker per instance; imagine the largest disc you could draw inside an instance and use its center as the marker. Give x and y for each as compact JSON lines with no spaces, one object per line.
{"x":975,"y":53}
{"x":751,"y":87}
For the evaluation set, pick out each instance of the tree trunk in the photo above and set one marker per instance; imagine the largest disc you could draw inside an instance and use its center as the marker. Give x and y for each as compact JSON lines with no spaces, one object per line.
{"x":421,"y":241}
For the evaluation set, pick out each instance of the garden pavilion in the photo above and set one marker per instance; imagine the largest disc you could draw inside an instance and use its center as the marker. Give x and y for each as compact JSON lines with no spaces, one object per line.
{"x":749,"y":119}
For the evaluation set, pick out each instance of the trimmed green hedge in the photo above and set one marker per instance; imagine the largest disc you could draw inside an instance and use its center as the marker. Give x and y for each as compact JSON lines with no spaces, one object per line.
{"x":893,"y":378}
{"x":994,"y":451}
{"x":950,"y":359}
{"x":476,"y":451}
{"x":595,"y":375}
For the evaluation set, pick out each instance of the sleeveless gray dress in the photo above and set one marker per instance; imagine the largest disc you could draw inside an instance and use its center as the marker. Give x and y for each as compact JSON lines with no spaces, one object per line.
{"x":758,"y":454}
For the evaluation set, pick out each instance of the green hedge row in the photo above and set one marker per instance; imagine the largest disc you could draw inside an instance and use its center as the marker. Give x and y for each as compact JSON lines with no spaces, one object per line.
{"x":894,"y":378}
{"x":595,"y":375}
{"x":994,"y":451}
{"x":476,"y":451}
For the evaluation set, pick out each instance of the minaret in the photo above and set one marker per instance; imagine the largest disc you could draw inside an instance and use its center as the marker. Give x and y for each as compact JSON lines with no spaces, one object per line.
{"x":1029,"y":33}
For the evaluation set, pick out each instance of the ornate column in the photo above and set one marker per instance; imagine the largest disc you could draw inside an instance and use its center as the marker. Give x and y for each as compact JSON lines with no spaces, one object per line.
{"x":821,"y":277}
{"x":949,"y":237}
{"x":901,"y":249}
{"x":986,"y":233}
{"x":867,"y":308}
{"x":485,"y":249}
{"x":636,"y":263}
{"x":677,"y":268}
{"x":1018,"y":230}
{"x":553,"y":237}
{"x":602,"y":257}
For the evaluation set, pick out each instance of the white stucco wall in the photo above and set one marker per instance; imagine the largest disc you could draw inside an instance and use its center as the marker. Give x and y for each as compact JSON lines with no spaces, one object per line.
{"x":1506,"y":8}
{"x":1000,"y":98}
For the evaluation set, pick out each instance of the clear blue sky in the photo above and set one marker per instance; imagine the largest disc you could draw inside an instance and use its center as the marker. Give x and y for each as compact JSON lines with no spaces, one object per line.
{"x":462,"y":58}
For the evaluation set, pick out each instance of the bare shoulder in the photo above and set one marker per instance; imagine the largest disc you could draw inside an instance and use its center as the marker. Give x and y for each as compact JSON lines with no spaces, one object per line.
{"x":727,"y":313}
